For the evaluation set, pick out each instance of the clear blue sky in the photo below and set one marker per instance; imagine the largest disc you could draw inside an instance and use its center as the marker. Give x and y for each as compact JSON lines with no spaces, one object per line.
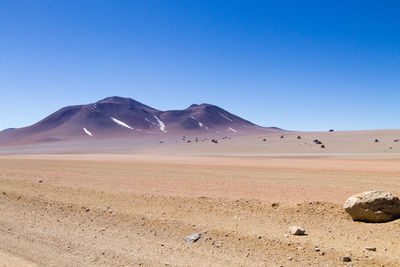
{"x":303,"y":65}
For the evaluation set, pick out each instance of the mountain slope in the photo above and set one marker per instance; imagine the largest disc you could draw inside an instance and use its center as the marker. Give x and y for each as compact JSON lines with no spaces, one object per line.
{"x":125,"y":117}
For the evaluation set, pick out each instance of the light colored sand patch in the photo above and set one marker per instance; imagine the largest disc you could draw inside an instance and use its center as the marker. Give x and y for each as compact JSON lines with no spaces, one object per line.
{"x":7,"y":260}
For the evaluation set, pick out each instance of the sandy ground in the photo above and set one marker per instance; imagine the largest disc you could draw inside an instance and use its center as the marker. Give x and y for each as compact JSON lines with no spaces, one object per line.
{"x":118,"y":210}
{"x":132,"y":202}
{"x":360,"y":142}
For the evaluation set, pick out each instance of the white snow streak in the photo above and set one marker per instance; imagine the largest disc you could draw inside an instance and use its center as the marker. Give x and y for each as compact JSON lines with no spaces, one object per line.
{"x":200,"y":124}
{"x":229,"y":119}
{"x":146,"y":119}
{"x":231,"y":129}
{"x":121,"y":123}
{"x":162,"y":125}
{"x":87,"y":132}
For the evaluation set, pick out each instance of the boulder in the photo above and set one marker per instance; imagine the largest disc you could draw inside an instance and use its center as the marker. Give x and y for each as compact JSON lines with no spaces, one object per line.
{"x":373,"y":206}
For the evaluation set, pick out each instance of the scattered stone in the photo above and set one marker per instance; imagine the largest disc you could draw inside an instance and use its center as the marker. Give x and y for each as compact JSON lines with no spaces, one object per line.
{"x":290,"y":258}
{"x":376,"y":140}
{"x":274,"y":205}
{"x":370,"y":248}
{"x":373,"y":206}
{"x":317,"y":249}
{"x":87,"y":209}
{"x":295,"y":230}
{"x":40,"y":181}
{"x":193,"y":238}
{"x":331,"y":130}
{"x":345,"y":259}
{"x":299,"y":137}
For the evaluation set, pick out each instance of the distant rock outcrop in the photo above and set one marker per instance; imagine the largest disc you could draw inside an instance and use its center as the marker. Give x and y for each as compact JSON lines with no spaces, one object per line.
{"x":373,"y":206}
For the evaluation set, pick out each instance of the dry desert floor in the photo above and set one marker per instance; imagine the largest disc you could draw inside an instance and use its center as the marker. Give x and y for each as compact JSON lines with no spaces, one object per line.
{"x":135,"y":210}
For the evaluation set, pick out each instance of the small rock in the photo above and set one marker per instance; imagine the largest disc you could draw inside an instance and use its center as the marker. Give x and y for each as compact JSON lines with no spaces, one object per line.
{"x":290,"y":258}
{"x":40,"y":181}
{"x":370,"y":248}
{"x":295,"y":230}
{"x":345,"y":259}
{"x":87,"y":209}
{"x":193,"y":238}
{"x":317,"y":249}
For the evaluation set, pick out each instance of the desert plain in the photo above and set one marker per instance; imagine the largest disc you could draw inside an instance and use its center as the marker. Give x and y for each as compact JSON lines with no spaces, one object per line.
{"x":133,"y":205}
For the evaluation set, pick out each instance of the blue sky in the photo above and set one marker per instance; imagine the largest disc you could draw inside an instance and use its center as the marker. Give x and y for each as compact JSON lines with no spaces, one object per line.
{"x":302,"y":65}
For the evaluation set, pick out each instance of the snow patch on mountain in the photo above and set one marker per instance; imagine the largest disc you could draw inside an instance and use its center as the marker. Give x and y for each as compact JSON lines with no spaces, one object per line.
{"x":161,"y":124}
{"x":121,"y":123}
{"x":87,"y":132}
{"x":229,"y":119}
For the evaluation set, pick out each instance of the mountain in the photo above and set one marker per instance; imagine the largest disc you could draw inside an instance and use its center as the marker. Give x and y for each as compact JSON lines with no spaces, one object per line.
{"x":125,"y":117}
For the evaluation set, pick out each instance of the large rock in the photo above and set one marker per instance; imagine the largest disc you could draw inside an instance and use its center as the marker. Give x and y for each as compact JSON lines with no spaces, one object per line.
{"x":373,"y":206}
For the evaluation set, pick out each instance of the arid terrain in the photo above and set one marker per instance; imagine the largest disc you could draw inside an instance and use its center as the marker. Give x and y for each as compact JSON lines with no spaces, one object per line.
{"x":135,"y":206}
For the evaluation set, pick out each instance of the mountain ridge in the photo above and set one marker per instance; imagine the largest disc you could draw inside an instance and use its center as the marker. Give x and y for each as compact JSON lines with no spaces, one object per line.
{"x":117,"y":116}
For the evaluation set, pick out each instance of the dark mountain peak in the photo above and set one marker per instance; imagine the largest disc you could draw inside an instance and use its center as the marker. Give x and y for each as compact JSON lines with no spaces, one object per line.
{"x":116,"y":100}
{"x":123,"y":103}
{"x":200,"y":106}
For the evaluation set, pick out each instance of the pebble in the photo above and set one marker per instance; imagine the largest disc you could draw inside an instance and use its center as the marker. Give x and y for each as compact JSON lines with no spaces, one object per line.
{"x":345,"y":259}
{"x":295,"y":230}
{"x":370,"y":248}
{"x":193,"y":238}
